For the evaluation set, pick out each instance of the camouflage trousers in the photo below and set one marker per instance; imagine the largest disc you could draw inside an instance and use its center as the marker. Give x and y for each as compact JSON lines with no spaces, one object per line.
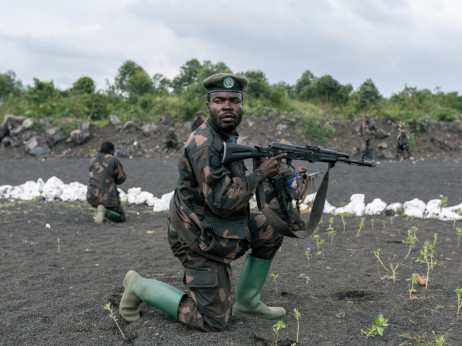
{"x":208,"y":305}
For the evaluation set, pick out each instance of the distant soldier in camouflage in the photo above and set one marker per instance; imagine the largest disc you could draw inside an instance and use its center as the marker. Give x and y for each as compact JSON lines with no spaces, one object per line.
{"x":198,"y":121}
{"x":366,"y":132}
{"x":171,"y":141}
{"x":282,"y":190}
{"x":210,"y":225}
{"x":402,"y":145}
{"x":106,"y":172}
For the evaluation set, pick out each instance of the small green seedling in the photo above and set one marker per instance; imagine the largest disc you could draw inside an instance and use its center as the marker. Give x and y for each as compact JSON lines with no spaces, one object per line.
{"x":459,"y":299}
{"x":297,"y":317}
{"x":377,"y":328}
{"x":372,"y":225}
{"x":344,"y":223}
{"x":391,"y":220}
{"x":411,"y":239}
{"x":308,"y":254}
{"x":361,"y":225}
{"x":444,"y":201}
{"x":383,"y":224}
{"x":393,"y":270}
{"x":426,"y":257}
{"x":331,"y":232}
{"x":319,"y":242}
{"x":274,"y":277}
{"x":108,"y":307}
{"x":412,"y":290}
{"x":459,"y":234}
{"x":277,"y":328}
{"x":377,"y":255}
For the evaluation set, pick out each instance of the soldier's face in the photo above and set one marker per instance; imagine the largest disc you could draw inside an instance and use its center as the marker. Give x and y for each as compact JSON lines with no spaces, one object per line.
{"x":226,"y":109}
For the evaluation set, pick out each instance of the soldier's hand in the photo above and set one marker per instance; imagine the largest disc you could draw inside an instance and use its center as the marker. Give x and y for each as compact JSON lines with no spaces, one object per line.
{"x":271,"y":166}
{"x":301,"y":170}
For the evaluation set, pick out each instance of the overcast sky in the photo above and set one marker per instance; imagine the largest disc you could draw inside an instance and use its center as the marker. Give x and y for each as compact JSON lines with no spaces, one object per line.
{"x":393,"y":42}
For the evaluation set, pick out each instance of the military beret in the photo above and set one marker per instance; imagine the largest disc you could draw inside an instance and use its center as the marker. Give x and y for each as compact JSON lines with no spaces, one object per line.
{"x":225,"y":82}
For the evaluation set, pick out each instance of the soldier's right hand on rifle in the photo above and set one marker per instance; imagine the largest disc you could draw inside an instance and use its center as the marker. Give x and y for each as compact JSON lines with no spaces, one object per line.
{"x":271,"y":166}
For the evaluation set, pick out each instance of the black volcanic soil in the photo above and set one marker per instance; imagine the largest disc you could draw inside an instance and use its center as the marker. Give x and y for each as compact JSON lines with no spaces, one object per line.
{"x":54,"y":292}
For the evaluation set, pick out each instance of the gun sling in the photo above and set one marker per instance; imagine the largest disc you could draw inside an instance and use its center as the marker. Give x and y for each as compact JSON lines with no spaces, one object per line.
{"x":316,"y":211}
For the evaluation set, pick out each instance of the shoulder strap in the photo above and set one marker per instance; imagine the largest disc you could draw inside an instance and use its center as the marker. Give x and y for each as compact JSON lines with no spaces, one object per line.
{"x":316,"y":212}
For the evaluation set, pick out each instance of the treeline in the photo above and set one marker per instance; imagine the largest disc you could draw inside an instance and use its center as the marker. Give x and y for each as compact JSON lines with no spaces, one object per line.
{"x":135,"y":94}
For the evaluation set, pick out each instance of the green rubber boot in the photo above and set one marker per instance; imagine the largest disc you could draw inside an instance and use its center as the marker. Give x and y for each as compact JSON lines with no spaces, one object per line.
{"x":251,"y":280}
{"x":153,"y":292}
{"x":112,"y":215}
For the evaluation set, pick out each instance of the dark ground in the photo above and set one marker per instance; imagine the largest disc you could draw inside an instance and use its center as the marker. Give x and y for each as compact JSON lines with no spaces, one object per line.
{"x":53,"y":292}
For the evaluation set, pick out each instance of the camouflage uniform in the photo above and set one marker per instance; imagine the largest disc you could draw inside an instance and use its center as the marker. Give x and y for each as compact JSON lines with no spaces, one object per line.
{"x":106,"y":172}
{"x":171,"y":141}
{"x":292,"y":187}
{"x":366,"y":131}
{"x":211,"y":225}
{"x":402,"y":145}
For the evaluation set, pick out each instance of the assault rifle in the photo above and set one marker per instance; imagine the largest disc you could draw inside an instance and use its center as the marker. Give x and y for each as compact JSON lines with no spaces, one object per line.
{"x":236,"y":152}
{"x":311,"y":153}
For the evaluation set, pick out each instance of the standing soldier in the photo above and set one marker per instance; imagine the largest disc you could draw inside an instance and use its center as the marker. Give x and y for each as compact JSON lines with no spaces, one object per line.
{"x":106,"y":172}
{"x":210,"y":225}
{"x":402,"y":145}
{"x":366,"y":131}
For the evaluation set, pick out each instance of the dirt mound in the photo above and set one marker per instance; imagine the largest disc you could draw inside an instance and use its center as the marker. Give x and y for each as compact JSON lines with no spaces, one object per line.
{"x":438,"y":141}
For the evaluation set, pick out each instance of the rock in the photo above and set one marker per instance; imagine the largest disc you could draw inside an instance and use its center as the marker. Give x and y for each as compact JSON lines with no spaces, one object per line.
{"x":167,"y":119}
{"x":14,"y":120}
{"x":281,"y":127}
{"x":17,"y":130}
{"x":382,"y":146}
{"x":148,"y":128}
{"x":381,"y":134}
{"x":114,"y":120}
{"x":37,"y":146}
{"x":129,"y":126}
{"x":121,"y":151}
{"x":7,"y":141}
{"x":82,"y":134}
{"x":28,"y":123}
{"x":3,"y":132}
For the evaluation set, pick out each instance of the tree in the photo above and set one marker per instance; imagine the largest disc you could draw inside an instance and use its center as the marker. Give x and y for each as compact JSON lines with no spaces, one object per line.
{"x":9,"y":85}
{"x":139,"y":83}
{"x":368,"y":94}
{"x":41,"y":92}
{"x":259,"y":86}
{"x":303,"y":86}
{"x":329,"y":91}
{"x":84,"y":85}
{"x":188,"y":74}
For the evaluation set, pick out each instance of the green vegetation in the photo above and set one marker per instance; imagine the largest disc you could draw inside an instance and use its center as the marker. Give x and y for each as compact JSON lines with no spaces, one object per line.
{"x":314,"y":101}
{"x":377,"y":328}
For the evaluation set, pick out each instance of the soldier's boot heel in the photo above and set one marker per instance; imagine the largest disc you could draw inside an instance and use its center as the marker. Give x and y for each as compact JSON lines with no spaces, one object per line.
{"x":153,"y":292}
{"x":253,"y":275}
{"x":100,"y":212}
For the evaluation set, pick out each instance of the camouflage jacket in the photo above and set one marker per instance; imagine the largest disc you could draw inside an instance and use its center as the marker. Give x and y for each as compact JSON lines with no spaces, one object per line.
{"x":105,"y":173}
{"x":292,"y":187}
{"x":210,"y":206}
{"x":402,"y":141}
{"x":367,"y":130}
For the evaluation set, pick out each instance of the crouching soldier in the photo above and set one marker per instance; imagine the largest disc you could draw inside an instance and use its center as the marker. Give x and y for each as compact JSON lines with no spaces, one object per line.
{"x":106,"y":172}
